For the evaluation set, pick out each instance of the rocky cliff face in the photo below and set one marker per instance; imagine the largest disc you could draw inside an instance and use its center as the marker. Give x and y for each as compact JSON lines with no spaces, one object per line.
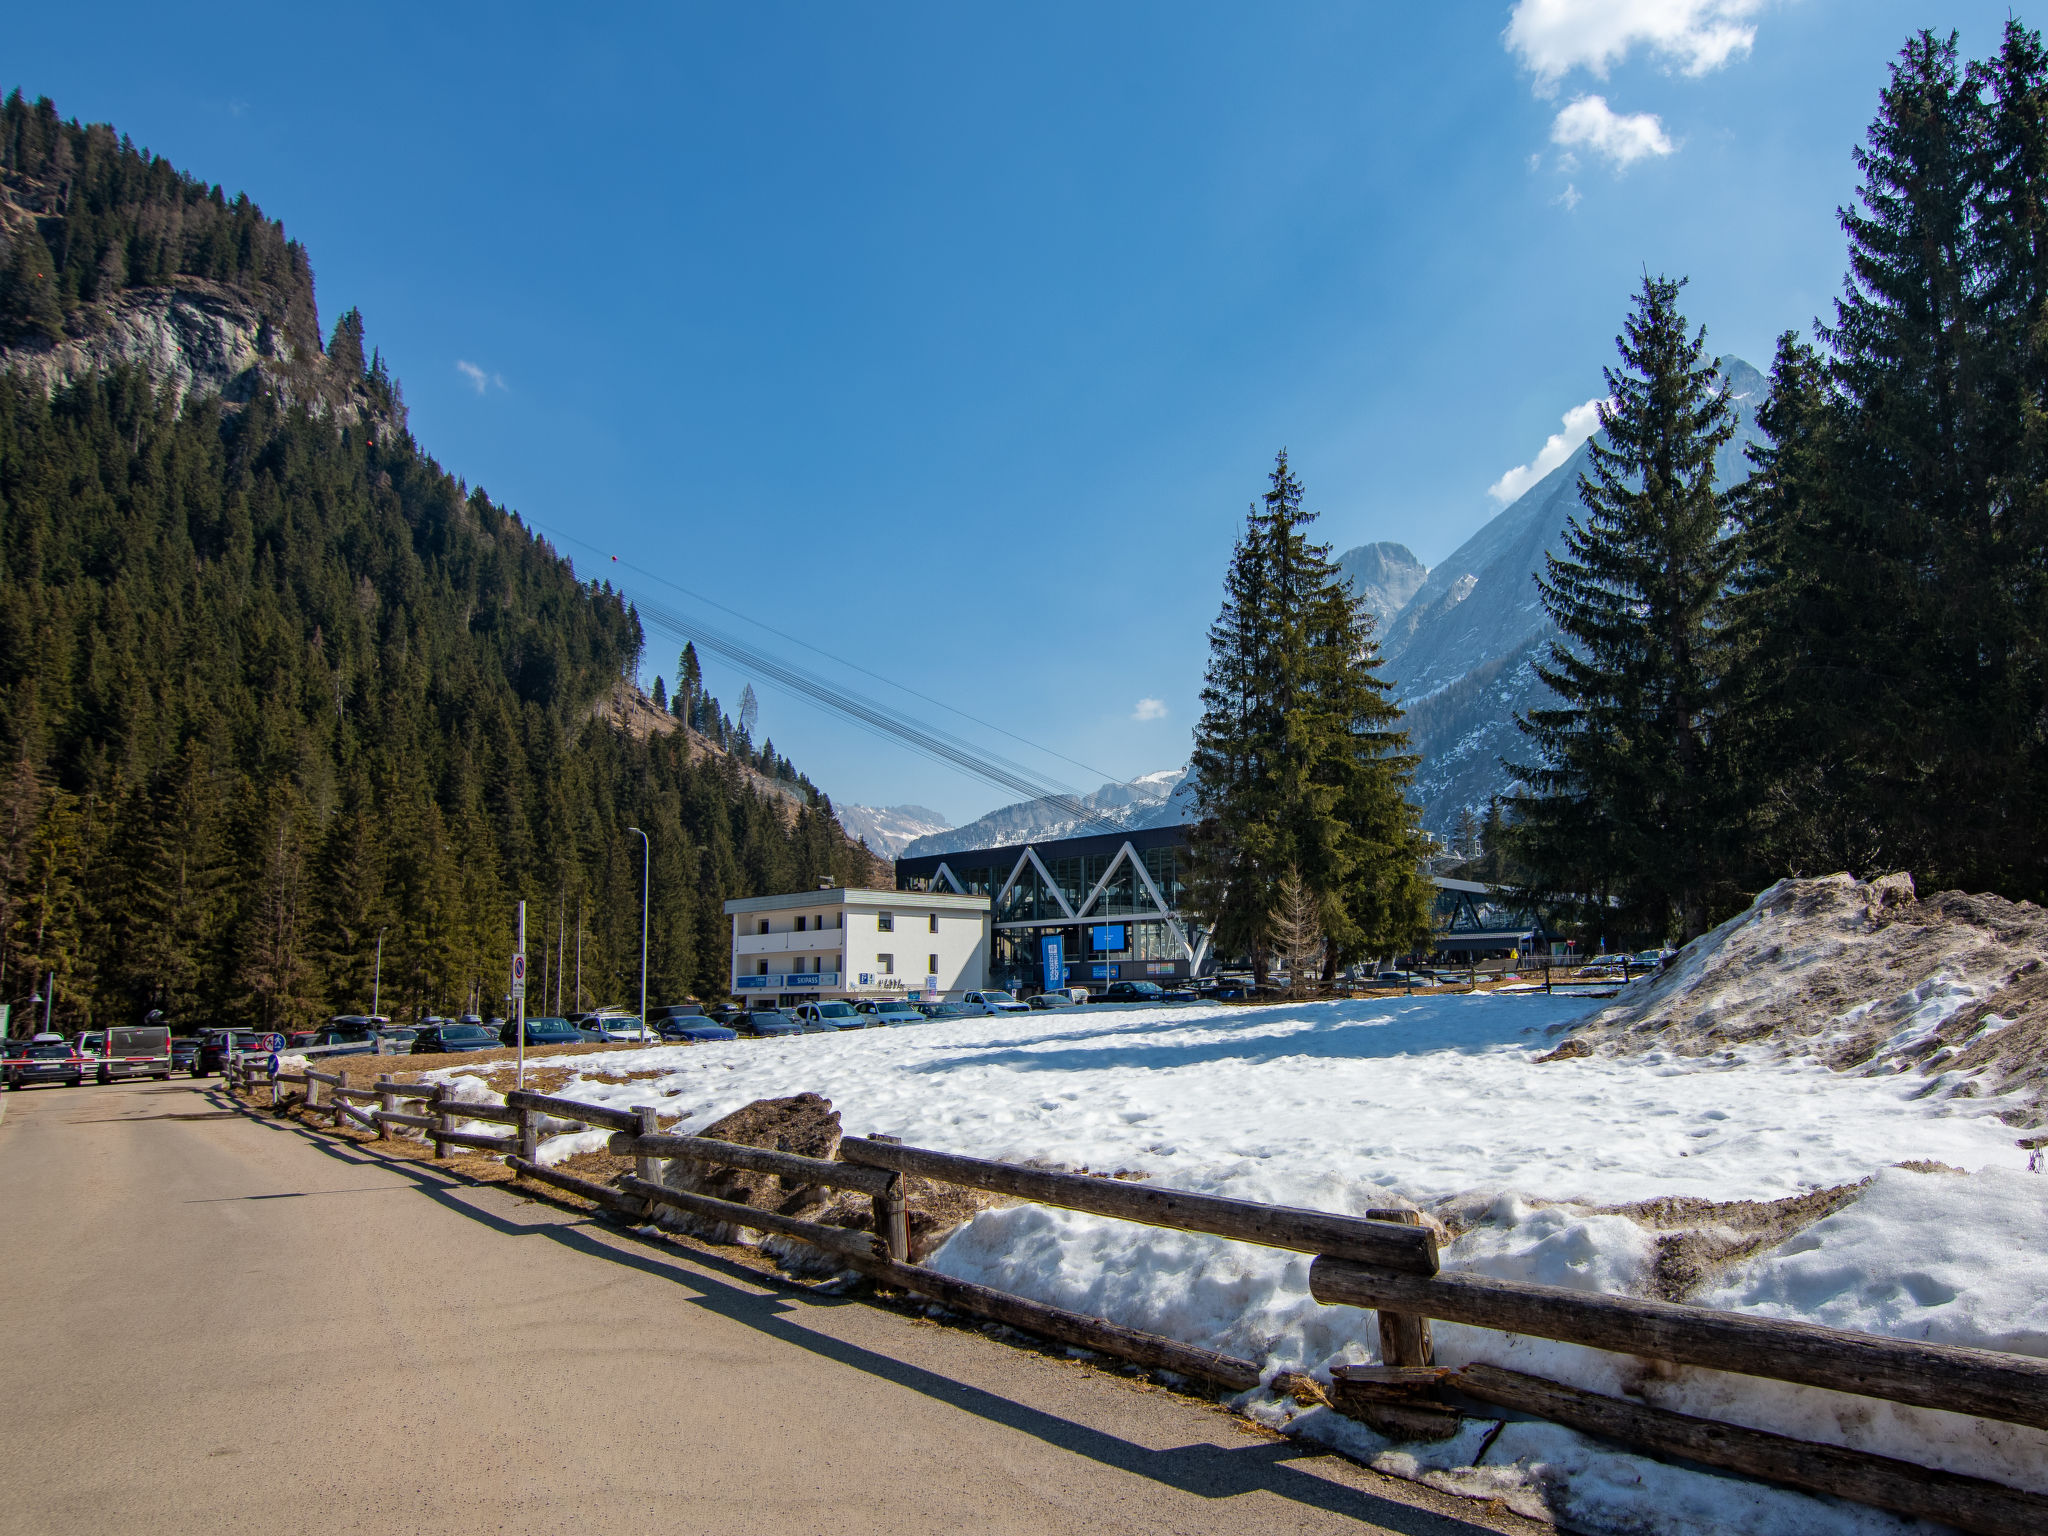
{"x":197,"y":335}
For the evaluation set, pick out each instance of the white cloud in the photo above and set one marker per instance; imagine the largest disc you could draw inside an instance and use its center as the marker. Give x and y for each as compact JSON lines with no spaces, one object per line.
{"x":1150,"y":709}
{"x":1554,"y":37}
{"x":1623,"y":138}
{"x":1580,"y":423}
{"x":1570,"y":197}
{"x":479,"y":380}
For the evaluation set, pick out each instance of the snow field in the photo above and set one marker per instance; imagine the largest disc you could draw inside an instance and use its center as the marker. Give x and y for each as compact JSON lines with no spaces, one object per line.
{"x":1344,"y":1106}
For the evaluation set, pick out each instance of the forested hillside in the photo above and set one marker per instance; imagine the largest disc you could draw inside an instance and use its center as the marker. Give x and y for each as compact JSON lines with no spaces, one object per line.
{"x":273,"y":682}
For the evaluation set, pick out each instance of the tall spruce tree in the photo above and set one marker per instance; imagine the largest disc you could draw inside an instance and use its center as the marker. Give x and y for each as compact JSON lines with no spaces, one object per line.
{"x":1891,"y":613}
{"x":1629,"y":797}
{"x":1299,"y":766}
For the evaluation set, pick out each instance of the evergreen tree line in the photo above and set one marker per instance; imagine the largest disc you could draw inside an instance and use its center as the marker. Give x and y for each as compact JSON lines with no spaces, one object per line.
{"x":107,"y":216}
{"x":271,"y":688}
{"x":1841,"y":662}
{"x":695,"y":706}
{"x":1306,"y":847}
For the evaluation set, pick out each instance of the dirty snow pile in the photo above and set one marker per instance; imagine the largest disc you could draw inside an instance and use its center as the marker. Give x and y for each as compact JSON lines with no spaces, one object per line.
{"x":1750,"y":1177}
{"x":1866,"y":977}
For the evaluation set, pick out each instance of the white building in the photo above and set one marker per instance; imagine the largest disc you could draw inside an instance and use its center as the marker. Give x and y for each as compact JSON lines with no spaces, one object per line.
{"x":836,"y":943}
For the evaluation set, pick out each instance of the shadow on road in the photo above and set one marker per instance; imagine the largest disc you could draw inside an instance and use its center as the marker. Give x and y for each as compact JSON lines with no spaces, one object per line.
{"x":762,"y":1302}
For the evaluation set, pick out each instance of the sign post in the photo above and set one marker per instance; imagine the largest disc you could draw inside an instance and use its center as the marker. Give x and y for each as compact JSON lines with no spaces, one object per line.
{"x":519,"y":993}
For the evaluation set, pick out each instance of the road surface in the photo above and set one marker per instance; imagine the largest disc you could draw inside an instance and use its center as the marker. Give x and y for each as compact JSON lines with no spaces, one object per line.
{"x":219,"y":1323}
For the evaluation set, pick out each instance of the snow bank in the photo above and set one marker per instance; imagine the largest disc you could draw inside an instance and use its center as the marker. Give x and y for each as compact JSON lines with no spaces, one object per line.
{"x":1537,"y":1169}
{"x":1863,"y":976}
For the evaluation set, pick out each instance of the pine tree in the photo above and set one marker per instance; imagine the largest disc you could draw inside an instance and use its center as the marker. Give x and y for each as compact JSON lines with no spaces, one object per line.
{"x":689,"y":683}
{"x":1630,"y":792}
{"x":1298,"y":763}
{"x":1297,"y":928}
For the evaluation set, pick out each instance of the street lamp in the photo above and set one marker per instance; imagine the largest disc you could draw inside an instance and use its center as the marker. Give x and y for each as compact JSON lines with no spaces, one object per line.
{"x":377,"y":981}
{"x":646,"y":856}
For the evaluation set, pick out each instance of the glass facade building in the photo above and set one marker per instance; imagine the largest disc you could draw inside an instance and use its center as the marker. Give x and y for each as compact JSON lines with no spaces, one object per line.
{"x":1113,"y":901}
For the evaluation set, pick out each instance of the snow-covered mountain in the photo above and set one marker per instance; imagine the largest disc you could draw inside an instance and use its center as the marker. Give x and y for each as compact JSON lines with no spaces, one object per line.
{"x":886,"y":829}
{"x":1161,"y":799}
{"x":1462,"y":651}
{"x":1384,"y":576}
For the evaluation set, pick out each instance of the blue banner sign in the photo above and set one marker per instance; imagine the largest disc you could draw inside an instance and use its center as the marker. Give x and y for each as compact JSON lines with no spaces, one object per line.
{"x":1108,"y":936}
{"x":750,"y":981}
{"x":1052,"y":951}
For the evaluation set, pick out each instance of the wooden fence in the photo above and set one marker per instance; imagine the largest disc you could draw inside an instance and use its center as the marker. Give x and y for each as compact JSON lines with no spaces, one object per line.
{"x":1383,"y":1261}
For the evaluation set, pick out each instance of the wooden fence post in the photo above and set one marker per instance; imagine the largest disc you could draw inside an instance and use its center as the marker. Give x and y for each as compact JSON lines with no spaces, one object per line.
{"x":312,"y":1090}
{"x":648,"y":1168}
{"x":892,"y":1220}
{"x":1405,"y":1339}
{"x":529,"y":1135}
{"x":387,"y":1103}
{"x":442,"y":1119}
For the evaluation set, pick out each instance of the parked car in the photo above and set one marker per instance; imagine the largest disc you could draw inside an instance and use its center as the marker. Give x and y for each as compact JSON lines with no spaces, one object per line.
{"x":184,"y":1052}
{"x":396,"y":1040}
{"x":767,"y":1023}
{"x":991,"y":1001}
{"x":136,"y":1050}
{"x":694,"y":1029}
{"x":890,"y":1010}
{"x":1133,"y":992}
{"x":51,"y":1061}
{"x":89,"y":1044}
{"x":1405,"y":979}
{"x":1049,"y":1000}
{"x":546,"y":1031}
{"x":949,"y":1011}
{"x":440,"y":1038}
{"x":343,"y":1037}
{"x":828,"y":1018}
{"x":215,"y":1045}
{"x":623,"y":1028}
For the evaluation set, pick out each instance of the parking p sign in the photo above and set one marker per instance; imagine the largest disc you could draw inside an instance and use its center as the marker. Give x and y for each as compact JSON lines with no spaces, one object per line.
{"x":519,"y":976}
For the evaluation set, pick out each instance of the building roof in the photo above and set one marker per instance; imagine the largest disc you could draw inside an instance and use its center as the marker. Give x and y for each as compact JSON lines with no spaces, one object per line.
{"x":856,"y":896}
{"x":1142,"y":839}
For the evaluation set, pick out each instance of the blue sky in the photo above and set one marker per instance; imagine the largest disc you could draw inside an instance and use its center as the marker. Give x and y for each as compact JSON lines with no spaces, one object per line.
{"x":954,"y":341}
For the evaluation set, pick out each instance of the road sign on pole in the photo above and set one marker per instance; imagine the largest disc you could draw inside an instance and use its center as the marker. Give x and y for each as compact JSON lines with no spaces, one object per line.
{"x":519,"y":976}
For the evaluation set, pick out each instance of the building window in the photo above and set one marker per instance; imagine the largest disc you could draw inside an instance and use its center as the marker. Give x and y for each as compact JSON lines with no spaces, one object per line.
{"x":931,"y":965}
{"x":935,"y":922}
{"x":800,"y":924}
{"x":764,"y":929}
{"x":886,"y":964}
{"x":761,"y":967}
{"x":885,"y":922}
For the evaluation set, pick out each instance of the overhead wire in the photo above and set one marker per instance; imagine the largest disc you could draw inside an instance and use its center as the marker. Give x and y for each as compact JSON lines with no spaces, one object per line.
{"x":927,"y":741}
{"x":853,"y":666}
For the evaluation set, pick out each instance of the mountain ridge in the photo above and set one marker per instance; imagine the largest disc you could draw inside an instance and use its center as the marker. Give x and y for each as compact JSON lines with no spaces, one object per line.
{"x":1463,"y":669}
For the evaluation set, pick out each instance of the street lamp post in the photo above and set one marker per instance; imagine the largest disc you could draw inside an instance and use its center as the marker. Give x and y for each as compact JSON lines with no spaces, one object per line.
{"x":377,"y":980}
{"x":646,"y":864}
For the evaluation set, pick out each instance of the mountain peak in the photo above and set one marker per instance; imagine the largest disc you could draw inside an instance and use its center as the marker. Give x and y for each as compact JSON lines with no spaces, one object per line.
{"x":1384,"y":576}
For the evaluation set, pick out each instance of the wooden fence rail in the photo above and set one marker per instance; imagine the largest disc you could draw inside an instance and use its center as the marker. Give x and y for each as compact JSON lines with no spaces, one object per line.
{"x":1987,"y":1383}
{"x":1383,"y":1260}
{"x":1411,"y":1249}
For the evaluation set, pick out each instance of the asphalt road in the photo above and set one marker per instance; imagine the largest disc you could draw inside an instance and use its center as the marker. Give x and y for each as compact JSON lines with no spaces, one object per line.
{"x":217,"y":1323}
